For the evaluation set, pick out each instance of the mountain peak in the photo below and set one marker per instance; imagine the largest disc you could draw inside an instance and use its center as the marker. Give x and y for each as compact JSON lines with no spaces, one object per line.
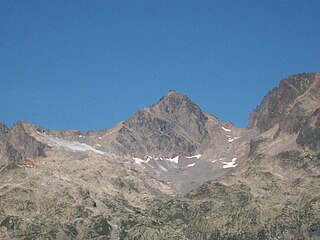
{"x":172,"y":91}
{"x":173,"y":126}
{"x":171,"y":94}
{"x":287,"y":103}
{"x":174,"y":94}
{"x":175,"y":104}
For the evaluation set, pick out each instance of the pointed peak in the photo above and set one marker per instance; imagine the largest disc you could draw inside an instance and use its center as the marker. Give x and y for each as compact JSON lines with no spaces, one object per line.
{"x":177,"y":105}
{"x":173,"y":98}
{"x":171,"y":91}
{"x":174,"y":93}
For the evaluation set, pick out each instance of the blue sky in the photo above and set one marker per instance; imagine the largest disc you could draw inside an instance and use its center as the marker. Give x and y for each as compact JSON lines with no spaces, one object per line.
{"x":91,"y":64}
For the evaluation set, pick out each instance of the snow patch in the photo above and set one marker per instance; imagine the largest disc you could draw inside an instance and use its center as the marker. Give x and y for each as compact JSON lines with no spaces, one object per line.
{"x":73,"y":145}
{"x":198,"y":156}
{"x":191,"y":165}
{"x":139,"y":161}
{"x":231,"y":164}
{"x":174,"y":160}
{"x":231,"y":139}
{"x":226,"y":129}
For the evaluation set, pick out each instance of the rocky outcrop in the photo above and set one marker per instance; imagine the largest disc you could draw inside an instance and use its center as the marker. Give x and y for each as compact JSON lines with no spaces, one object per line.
{"x":16,"y":144}
{"x":282,"y":103}
{"x":3,"y":132}
{"x":292,"y":109}
{"x":309,"y":136}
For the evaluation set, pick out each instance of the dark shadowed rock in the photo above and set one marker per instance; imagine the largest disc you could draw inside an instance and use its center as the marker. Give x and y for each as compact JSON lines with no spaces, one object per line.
{"x":309,"y":136}
{"x":27,"y":145}
{"x":314,"y":230}
{"x":276,"y":106}
{"x":293,"y":120}
{"x":3,"y":132}
{"x":17,"y":144}
{"x":183,"y":111}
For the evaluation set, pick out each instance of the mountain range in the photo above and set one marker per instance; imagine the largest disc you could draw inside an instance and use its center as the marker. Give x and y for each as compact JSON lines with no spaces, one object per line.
{"x":170,"y":171}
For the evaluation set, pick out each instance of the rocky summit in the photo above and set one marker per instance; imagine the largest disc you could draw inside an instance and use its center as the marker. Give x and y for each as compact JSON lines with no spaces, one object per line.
{"x":170,"y":171}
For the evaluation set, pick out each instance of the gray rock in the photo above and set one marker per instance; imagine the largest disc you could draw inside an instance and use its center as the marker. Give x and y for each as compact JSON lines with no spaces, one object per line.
{"x":175,"y":125}
{"x":17,"y":144}
{"x":3,"y":132}
{"x":314,"y":230}
{"x":309,"y":136}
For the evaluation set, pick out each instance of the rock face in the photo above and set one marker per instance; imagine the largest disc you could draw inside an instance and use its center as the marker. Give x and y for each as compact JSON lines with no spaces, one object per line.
{"x":282,"y":104}
{"x":292,"y":109}
{"x":17,"y":144}
{"x":309,"y":135}
{"x":174,"y":126}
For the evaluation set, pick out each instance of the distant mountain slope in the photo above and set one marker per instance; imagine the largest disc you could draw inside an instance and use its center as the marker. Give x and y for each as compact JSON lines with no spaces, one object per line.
{"x":174,"y":126}
{"x":170,"y":171}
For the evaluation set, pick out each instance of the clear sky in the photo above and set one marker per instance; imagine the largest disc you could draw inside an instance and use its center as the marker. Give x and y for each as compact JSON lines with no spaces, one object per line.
{"x":91,"y":64}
